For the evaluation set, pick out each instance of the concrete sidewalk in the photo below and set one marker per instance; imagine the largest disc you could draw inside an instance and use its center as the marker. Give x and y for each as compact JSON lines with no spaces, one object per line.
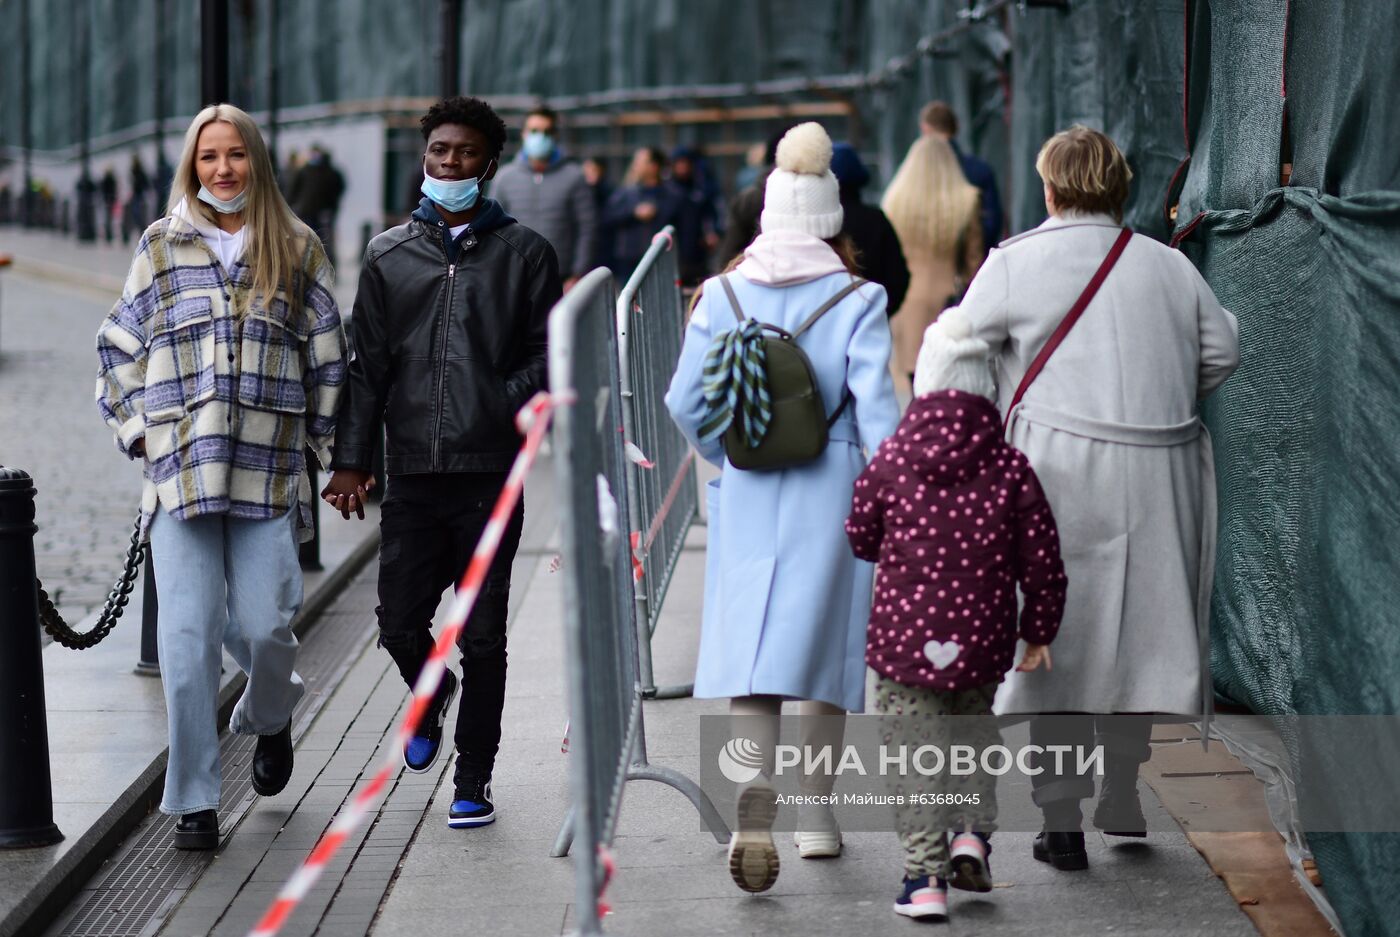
{"x":672,"y":877}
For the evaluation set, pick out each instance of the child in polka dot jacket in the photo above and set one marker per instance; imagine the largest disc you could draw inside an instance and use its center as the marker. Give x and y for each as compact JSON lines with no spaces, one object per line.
{"x":956,"y":520}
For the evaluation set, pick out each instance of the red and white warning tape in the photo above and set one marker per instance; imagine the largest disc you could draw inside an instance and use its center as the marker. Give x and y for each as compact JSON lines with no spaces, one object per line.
{"x":533,"y":421}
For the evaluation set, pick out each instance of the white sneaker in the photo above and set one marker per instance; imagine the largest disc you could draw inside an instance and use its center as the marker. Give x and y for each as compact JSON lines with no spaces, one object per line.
{"x":817,"y":836}
{"x":817,"y":844}
{"x":753,"y":859}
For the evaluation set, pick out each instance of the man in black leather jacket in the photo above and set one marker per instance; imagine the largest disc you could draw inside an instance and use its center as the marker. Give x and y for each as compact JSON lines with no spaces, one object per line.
{"x":449,"y":343}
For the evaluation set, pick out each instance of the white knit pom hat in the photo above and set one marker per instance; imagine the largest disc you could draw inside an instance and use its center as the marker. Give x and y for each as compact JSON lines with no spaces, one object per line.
{"x":951,"y":359}
{"x":801,"y":193}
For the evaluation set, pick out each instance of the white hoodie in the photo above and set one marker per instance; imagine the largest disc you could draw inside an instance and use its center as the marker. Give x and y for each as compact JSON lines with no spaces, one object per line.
{"x":227,"y":247}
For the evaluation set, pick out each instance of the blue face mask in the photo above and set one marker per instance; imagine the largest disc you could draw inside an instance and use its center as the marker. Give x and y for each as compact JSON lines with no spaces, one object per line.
{"x":224,"y":206}
{"x":452,"y":194}
{"x":538,"y":145}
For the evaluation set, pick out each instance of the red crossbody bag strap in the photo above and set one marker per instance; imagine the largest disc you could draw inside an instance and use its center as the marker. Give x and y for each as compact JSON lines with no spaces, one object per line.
{"x":1071,"y":317}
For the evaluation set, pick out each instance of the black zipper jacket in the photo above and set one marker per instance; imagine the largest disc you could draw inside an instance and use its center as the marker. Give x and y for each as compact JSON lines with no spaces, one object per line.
{"x":449,"y":342}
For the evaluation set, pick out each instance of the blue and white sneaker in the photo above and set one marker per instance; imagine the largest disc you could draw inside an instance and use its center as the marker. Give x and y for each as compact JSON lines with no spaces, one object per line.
{"x":923,"y":898}
{"x":472,"y":806}
{"x":421,"y":752}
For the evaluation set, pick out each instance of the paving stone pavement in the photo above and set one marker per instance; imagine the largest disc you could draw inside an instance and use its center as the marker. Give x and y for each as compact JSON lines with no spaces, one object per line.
{"x":672,"y":877}
{"x":335,"y":754}
{"x":88,"y":492}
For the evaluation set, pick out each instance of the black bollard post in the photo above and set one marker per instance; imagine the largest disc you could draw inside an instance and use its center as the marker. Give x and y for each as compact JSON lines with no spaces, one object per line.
{"x":26,"y":787}
{"x":149,"y":664}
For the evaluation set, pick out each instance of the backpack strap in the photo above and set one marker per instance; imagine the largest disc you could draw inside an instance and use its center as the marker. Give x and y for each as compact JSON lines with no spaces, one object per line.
{"x":855,"y":284}
{"x":733,"y":300}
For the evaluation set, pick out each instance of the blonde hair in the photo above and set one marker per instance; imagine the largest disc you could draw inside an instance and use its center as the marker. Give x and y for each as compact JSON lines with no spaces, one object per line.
{"x":1085,"y":171}
{"x":275,"y":237}
{"x":929,"y":201}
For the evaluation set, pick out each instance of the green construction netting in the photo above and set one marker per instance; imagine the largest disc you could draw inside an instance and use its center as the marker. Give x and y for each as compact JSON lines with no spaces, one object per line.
{"x":366,"y":50}
{"x":1306,"y":431}
{"x":1115,"y":65}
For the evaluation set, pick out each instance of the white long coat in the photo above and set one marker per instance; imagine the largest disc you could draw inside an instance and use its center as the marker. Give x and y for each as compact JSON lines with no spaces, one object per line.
{"x":1110,"y":427}
{"x":786,"y":602}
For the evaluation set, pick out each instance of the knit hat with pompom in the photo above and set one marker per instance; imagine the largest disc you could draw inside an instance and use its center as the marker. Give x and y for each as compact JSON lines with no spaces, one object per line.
{"x":801,"y":194}
{"x":951,"y":359}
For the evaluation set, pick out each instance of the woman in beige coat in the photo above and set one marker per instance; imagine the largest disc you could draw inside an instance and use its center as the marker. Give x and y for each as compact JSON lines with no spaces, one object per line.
{"x":1111,"y":428}
{"x":935,"y":212}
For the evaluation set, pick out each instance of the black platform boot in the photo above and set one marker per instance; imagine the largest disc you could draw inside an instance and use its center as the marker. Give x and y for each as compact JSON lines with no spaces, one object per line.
{"x":1062,"y":842}
{"x":1119,"y":813}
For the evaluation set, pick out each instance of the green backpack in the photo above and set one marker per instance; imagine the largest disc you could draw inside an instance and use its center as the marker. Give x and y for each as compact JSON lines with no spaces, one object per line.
{"x":798,"y":428}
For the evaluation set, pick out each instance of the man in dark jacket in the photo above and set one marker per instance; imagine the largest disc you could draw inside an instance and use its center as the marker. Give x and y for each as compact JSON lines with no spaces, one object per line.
{"x":877,"y":245}
{"x":640,"y":208}
{"x":449,"y":344}
{"x":697,"y":217}
{"x":317,"y":189}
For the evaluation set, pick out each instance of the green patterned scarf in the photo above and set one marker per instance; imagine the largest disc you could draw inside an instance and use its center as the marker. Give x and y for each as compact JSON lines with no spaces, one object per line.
{"x":736,"y":384}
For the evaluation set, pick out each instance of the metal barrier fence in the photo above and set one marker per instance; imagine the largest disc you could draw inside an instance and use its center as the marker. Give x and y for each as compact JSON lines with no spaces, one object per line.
{"x":662,"y":500}
{"x":607,"y":735}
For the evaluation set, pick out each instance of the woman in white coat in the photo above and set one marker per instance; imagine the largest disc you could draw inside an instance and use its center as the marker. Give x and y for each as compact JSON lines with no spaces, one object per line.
{"x":786,"y":604}
{"x":1110,"y":427}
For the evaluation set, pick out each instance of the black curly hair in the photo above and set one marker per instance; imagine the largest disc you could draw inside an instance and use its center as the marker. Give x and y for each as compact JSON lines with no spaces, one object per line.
{"x":469,"y":112}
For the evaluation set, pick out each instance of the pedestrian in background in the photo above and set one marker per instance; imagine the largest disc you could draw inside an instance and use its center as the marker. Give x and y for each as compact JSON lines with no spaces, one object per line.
{"x":934,"y":211}
{"x":938,"y":120}
{"x":317,"y":190}
{"x":595,"y":173}
{"x":1111,"y":429}
{"x":936,"y":671}
{"x":449,"y":329}
{"x":108,"y":187}
{"x":220,"y":364}
{"x":878,"y":254}
{"x":741,"y":223}
{"x":547,"y":192}
{"x":753,"y":168}
{"x":645,"y":203}
{"x":697,"y":217}
{"x":786,"y":603}
{"x":138,"y":211}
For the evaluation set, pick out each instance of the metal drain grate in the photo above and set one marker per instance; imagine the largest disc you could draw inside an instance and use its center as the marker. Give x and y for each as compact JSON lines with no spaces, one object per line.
{"x":128,"y":898}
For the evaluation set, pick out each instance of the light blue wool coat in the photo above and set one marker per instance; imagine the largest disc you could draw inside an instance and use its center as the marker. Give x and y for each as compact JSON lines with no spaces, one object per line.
{"x":786,"y":602}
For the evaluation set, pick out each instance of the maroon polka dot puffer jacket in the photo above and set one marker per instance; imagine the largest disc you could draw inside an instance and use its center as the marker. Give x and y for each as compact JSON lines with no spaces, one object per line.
{"x":956,"y":520}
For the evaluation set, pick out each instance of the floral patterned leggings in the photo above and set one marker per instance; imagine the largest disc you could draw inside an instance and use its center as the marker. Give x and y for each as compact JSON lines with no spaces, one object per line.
{"x":927,"y":807}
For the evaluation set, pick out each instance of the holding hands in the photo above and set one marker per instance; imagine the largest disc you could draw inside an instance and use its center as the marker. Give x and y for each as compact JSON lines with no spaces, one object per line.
{"x":347,"y":491}
{"x":1036,"y":654}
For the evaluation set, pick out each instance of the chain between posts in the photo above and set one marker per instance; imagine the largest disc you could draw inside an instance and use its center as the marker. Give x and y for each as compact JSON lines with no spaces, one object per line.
{"x":112,"y":609}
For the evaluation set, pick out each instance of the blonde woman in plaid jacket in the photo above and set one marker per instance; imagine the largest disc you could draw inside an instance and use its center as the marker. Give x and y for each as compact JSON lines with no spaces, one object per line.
{"x":220,"y":365}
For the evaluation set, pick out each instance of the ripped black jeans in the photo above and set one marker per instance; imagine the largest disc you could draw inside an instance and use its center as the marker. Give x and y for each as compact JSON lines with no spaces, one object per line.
{"x":429,"y":525}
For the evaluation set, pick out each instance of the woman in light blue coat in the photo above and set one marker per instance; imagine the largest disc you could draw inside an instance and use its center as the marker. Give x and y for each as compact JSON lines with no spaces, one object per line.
{"x":786,"y":604}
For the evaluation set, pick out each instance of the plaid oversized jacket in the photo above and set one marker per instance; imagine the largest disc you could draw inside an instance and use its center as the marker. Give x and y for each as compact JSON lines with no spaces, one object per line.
{"x":226,"y":406}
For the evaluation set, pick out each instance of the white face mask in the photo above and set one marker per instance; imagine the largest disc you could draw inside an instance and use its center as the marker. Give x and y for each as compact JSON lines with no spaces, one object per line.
{"x":230,"y":207}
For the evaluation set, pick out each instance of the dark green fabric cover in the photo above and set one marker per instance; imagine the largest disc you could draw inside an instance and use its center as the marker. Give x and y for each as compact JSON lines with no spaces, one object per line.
{"x":1307,"y":433}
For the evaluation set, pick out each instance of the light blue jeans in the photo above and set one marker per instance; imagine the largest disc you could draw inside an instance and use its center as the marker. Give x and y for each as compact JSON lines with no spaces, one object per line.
{"x":222,"y":582}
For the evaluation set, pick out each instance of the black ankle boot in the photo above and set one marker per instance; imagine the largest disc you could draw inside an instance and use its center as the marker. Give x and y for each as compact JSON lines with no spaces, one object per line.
{"x":1119,"y":813}
{"x":272,"y":762}
{"x":1064,"y":851}
{"x":1062,"y":843}
{"x":198,"y":830}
